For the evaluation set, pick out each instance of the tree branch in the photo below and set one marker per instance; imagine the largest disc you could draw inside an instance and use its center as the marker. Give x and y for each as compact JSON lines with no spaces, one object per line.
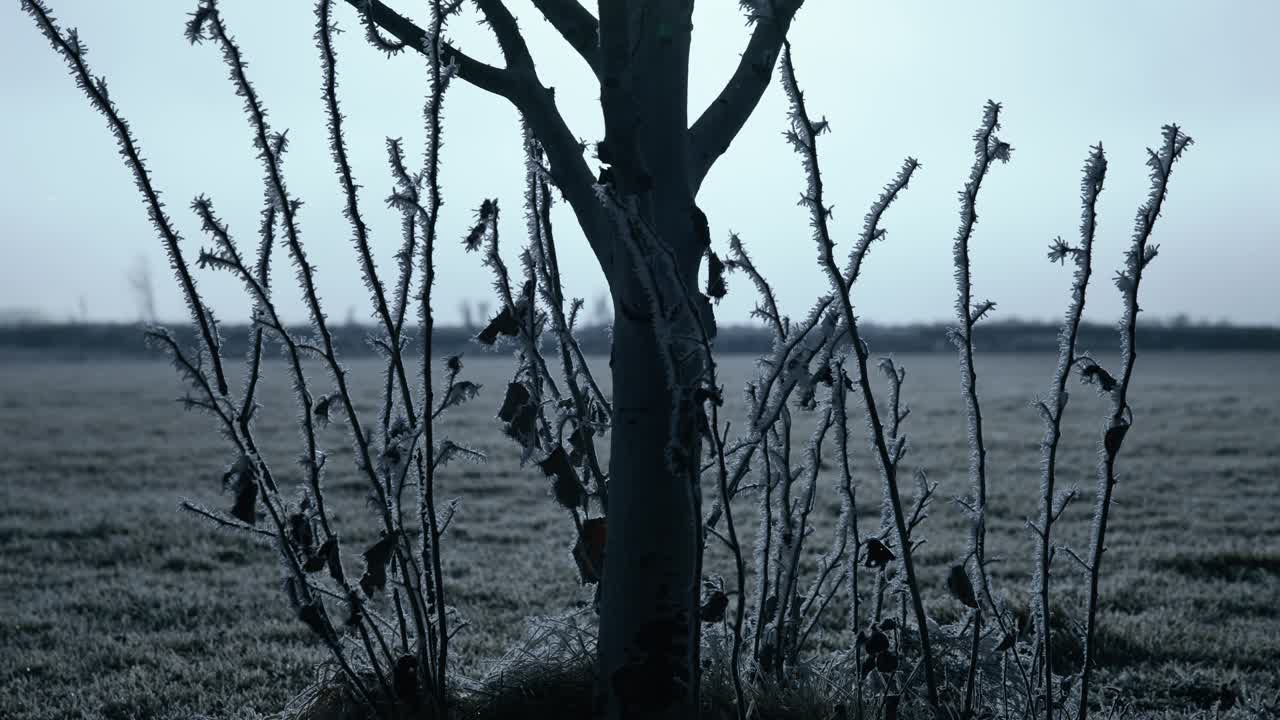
{"x":482,"y":75}
{"x":578,"y":27}
{"x":507,"y":31}
{"x":519,"y":84}
{"x":720,"y":123}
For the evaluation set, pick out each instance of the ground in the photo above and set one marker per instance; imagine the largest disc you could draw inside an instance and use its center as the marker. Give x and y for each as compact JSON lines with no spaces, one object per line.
{"x":113,"y":604}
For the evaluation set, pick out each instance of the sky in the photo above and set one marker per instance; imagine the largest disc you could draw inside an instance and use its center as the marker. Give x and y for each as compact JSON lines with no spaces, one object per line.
{"x":895,"y":79}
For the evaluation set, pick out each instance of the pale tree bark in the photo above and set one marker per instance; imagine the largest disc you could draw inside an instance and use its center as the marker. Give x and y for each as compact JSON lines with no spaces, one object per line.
{"x":639,"y":50}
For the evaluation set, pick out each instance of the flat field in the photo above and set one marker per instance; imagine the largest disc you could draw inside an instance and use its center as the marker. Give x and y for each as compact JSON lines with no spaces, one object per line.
{"x":113,"y":604}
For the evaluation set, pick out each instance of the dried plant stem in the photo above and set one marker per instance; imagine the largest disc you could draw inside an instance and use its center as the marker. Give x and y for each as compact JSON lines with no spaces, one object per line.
{"x":429,"y":520}
{"x":740,"y":572}
{"x":1095,"y":170}
{"x":73,"y":52}
{"x":351,"y":209}
{"x":849,"y":516}
{"x":1141,"y":253}
{"x":987,"y":149}
{"x":804,"y":136}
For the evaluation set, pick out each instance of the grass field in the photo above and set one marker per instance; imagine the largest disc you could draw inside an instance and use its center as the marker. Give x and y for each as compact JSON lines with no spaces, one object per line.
{"x":115,"y":605}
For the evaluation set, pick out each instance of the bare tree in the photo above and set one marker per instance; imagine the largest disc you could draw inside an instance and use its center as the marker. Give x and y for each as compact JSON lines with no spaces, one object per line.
{"x":656,"y":159}
{"x":465,"y":314}
{"x":144,"y":290}
{"x":601,"y":312}
{"x":641,"y":219}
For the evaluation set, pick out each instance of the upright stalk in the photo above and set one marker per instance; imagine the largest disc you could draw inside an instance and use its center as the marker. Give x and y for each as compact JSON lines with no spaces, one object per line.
{"x":1095,"y":170}
{"x":1141,"y":253}
{"x":988,"y":148}
{"x":804,"y":138}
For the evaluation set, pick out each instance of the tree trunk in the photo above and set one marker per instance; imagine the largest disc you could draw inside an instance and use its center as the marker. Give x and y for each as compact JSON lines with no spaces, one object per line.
{"x":647,"y":624}
{"x":648,"y":616}
{"x":649,"y":629}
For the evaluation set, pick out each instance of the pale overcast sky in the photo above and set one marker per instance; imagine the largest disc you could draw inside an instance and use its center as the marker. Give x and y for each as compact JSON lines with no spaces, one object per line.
{"x":899,"y":78}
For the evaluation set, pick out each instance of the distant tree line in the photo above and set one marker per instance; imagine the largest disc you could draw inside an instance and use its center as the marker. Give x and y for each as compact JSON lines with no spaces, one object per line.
{"x":69,"y":341}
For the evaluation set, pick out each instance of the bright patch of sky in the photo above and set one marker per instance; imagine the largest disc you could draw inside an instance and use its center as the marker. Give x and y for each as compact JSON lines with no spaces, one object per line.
{"x":894,"y":79}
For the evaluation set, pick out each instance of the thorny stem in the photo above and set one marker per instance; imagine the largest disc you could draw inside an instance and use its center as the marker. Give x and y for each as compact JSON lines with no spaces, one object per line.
{"x":237,"y":423}
{"x":739,"y":611}
{"x":1095,"y":170}
{"x":288,"y":207}
{"x":268,"y":486}
{"x":430,"y":523}
{"x":73,"y":52}
{"x":338,"y":148}
{"x":1140,"y":254}
{"x":547,"y":265}
{"x":232,"y":261}
{"x":806,"y":140}
{"x":263,"y":269}
{"x":988,"y":148}
{"x":850,"y":509}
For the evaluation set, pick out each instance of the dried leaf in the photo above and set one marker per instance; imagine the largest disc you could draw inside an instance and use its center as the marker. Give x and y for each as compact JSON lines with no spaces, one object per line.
{"x":1114,"y":438}
{"x":461,"y":392}
{"x":716,"y":287}
{"x":887,"y":662}
{"x":712,"y":611}
{"x":322,"y":408}
{"x":313,"y":614}
{"x":355,"y":610}
{"x":334,"y":558}
{"x":588,"y":552}
{"x":567,"y":488}
{"x":300,"y":531}
{"x":324,"y":556}
{"x":316,"y":560}
{"x":702,"y":394}
{"x":878,"y":554}
{"x":242,"y":467}
{"x":246,"y":505}
{"x":450,"y":449}
{"x":517,"y":397}
{"x":579,"y":443}
{"x":960,"y":586}
{"x":877,"y":642}
{"x":523,"y":427}
{"x":824,"y":376}
{"x":405,"y":680}
{"x":376,"y":559}
{"x":1096,"y":374}
{"x":504,"y":323}
{"x":240,"y":479}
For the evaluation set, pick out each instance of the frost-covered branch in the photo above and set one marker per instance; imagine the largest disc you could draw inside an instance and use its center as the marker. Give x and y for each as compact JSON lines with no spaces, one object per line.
{"x":1141,"y":252}
{"x":73,"y":51}
{"x":803,"y":136}
{"x":1095,"y":171}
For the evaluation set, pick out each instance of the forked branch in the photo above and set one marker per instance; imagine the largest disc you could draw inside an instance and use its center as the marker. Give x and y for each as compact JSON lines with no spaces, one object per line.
{"x":720,"y":122}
